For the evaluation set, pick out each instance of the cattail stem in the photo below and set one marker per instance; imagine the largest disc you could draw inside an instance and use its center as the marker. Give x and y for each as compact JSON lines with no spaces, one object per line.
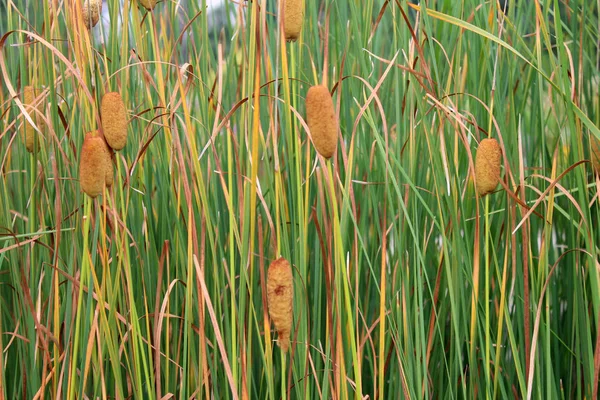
{"x":72,"y":385}
{"x":343,"y":296}
{"x":283,"y":377}
{"x":487,"y":245}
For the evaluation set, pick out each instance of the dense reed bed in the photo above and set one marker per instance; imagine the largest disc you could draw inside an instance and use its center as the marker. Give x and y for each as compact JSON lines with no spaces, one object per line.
{"x":396,"y":278}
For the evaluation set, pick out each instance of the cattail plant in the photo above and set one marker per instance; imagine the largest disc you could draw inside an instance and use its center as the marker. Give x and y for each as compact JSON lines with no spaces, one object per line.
{"x":280,"y":293}
{"x":293,"y":15}
{"x":28,"y":99}
{"x":322,"y":121}
{"x":93,"y":164}
{"x":114,"y":120}
{"x":108,"y":166}
{"x":148,"y":4}
{"x":595,"y":154}
{"x":91,"y":10}
{"x":487,"y":166}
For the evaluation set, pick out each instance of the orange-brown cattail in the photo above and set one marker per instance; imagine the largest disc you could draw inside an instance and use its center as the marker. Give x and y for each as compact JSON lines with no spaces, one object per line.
{"x":28,"y":99}
{"x":280,"y":292}
{"x":91,"y":10}
{"x":92,"y":164}
{"x":148,"y":4}
{"x":108,"y":166}
{"x":109,"y":176}
{"x":595,"y":154}
{"x":322,"y":122}
{"x":114,"y":120}
{"x":487,"y":166}
{"x":293,"y":15}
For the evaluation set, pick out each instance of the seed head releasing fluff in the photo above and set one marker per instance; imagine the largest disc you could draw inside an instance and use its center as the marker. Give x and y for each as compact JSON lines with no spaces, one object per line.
{"x":280,"y":292}
{"x":321,"y":119}
{"x":487,"y":166}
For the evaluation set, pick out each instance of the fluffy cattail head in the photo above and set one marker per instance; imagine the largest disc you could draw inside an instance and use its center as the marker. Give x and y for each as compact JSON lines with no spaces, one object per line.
{"x":280,"y":293}
{"x":93,"y":164}
{"x":91,"y":10}
{"x":114,"y":120}
{"x":293,"y":15}
{"x":321,"y":119}
{"x":148,"y":4}
{"x":487,"y":166}
{"x":30,"y":134}
{"x":595,"y":156}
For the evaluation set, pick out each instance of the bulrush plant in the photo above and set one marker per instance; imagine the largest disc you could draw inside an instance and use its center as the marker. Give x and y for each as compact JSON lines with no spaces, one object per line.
{"x":109,"y":175}
{"x":321,"y":119}
{"x":293,"y":16}
{"x":91,"y":10}
{"x":148,"y":4}
{"x":95,"y":167}
{"x":407,"y":282}
{"x":114,"y":120}
{"x":28,"y":99}
{"x":280,"y":293}
{"x":487,"y":166}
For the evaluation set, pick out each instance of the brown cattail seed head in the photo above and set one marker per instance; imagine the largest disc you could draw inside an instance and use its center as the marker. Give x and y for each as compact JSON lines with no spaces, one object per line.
{"x":280,"y":292}
{"x":148,"y":4}
{"x":92,"y":164}
{"x":114,"y":120}
{"x":293,"y":15}
{"x":109,"y":176}
{"x":322,"y":122}
{"x":595,"y":154}
{"x":30,"y":133}
{"x":487,"y":166}
{"x":91,"y":10}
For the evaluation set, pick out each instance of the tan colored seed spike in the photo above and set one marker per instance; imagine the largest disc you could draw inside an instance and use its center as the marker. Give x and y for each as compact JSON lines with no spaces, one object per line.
{"x":148,"y":4}
{"x":28,"y":99}
{"x":595,"y":154}
{"x":114,"y":120}
{"x":280,"y":293}
{"x":293,"y":16}
{"x":109,"y":176}
{"x":91,"y":10}
{"x":92,"y":164}
{"x":487,"y":166}
{"x":322,"y":121}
